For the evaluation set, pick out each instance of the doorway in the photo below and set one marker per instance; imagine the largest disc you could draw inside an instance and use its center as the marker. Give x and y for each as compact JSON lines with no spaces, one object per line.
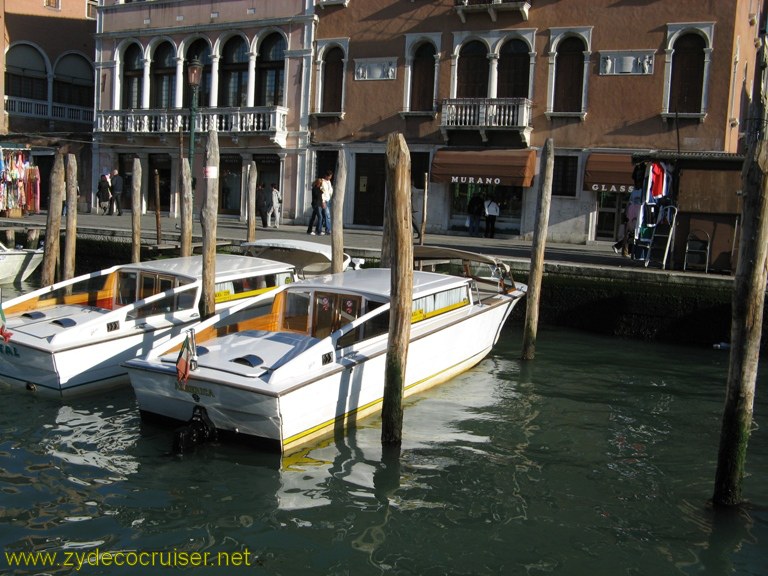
{"x":370,"y":186}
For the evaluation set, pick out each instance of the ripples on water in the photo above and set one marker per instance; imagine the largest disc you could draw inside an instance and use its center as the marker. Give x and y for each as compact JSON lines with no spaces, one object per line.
{"x":598,"y":457}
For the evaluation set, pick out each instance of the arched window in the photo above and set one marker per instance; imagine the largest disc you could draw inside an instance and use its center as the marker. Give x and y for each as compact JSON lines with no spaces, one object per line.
{"x":133,"y":77}
{"x":162,"y":90}
{"x":271,"y":71}
{"x":687,"y":74}
{"x":73,"y":81}
{"x":202,"y":51}
{"x":423,"y":78}
{"x":569,"y":75}
{"x":472,"y":73}
{"x":514,"y":70}
{"x":25,"y":73}
{"x":333,"y":80}
{"x":233,"y":73}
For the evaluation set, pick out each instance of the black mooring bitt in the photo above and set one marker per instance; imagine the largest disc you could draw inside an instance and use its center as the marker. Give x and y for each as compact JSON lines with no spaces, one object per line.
{"x":198,"y":430}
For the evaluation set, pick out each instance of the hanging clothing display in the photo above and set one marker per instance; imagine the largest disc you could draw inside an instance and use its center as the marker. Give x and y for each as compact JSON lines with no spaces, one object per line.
{"x":19,"y":182}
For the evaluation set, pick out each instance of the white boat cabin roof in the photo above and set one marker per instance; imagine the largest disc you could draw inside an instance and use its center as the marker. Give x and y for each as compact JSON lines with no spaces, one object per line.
{"x":376,"y":282}
{"x":226,"y":265}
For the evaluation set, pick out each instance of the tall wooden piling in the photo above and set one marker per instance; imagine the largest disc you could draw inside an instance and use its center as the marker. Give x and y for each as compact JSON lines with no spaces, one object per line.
{"x":398,"y":210}
{"x":337,"y":218}
{"x":530,"y":329}
{"x":136,"y":211}
{"x":208,"y":219}
{"x":53,"y":222}
{"x":70,"y":240}
{"x":423,"y":230}
{"x":252,"y":183}
{"x":185,"y":238}
{"x":746,"y":329}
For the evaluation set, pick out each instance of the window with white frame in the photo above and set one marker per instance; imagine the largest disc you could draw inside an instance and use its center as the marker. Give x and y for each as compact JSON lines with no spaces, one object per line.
{"x":686,"y":70}
{"x":330,"y":65}
{"x":91,"y":9}
{"x":421,"y":73}
{"x":568,"y":72}
{"x":52,"y":4}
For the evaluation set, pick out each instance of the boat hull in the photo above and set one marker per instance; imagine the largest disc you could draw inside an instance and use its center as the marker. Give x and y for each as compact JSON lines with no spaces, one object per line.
{"x":319,"y":402}
{"x":18,"y":265}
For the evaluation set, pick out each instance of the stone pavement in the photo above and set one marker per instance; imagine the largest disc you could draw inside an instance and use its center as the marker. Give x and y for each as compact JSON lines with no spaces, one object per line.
{"x":358,"y":242}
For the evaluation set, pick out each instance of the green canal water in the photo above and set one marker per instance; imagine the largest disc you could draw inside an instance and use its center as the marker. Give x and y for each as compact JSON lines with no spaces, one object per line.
{"x":596,"y":458}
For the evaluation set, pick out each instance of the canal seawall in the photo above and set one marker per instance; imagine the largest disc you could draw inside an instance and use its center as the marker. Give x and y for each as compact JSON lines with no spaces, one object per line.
{"x":583,"y":287}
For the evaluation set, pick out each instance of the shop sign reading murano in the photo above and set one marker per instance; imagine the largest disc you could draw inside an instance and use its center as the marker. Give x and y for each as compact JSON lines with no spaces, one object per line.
{"x":490,"y":180}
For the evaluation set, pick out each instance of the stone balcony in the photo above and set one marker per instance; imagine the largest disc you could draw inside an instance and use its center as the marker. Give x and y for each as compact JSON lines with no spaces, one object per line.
{"x":487,"y":114}
{"x":270,"y":121}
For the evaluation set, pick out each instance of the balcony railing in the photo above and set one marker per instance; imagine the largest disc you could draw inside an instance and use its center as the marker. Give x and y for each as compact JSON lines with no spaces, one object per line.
{"x":484,"y":114}
{"x":47,"y":110}
{"x":492,"y":7}
{"x":270,"y":121}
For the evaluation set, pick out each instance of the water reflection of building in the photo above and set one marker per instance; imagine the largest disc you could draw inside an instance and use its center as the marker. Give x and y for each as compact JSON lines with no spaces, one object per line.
{"x":476,"y":88}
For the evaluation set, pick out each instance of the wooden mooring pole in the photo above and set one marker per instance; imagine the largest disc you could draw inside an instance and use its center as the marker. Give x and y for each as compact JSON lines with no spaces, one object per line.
{"x":337,"y":217}
{"x":158,"y":226}
{"x":53,"y":222}
{"x":746,"y":329}
{"x":136,"y":211}
{"x":530,"y":329}
{"x":401,"y":262}
{"x":208,"y":217}
{"x":70,"y":240}
{"x":185,"y":238}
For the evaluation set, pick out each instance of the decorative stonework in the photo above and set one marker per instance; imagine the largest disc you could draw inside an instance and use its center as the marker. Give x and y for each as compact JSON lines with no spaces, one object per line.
{"x":375,"y":68}
{"x":622,"y":62}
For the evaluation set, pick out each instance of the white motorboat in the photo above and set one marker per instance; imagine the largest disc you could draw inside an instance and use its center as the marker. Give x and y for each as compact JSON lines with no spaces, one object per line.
{"x":72,"y":337}
{"x":18,"y":264}
{"x":309,"y":258}
{"x":316,"y":363}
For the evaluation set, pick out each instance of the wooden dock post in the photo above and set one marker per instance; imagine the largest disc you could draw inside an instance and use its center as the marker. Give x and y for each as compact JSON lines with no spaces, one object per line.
{"x":208,"y":217}
{"x":53,"y":222}
{"x":185,"y":238}
{"x":252,"y":183}
{"x":747,"y":306}
{"x":337,"y":218}
{"x":70,"y":240}
{"x":136,"y":211}
{"x":398,"y":211}
{"x":530,"y":329}
{"x":423,"y":231}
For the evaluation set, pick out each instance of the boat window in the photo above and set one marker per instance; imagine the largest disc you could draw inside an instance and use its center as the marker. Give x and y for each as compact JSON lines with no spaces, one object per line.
{"x":439,"y":303}
{"x":332,"y":311}
{"x":324,"y":314}
{"x":126,"y":288}
{"x":375,"y":326}
{"x":296,"y":311}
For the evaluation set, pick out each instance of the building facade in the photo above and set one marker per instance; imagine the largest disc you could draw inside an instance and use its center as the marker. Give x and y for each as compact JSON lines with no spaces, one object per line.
{"x":476,"y":88}
{"x":47,"y":85}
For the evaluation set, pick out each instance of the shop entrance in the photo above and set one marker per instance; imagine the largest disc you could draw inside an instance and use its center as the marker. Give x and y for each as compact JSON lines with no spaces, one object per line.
{"x":370,"y":178}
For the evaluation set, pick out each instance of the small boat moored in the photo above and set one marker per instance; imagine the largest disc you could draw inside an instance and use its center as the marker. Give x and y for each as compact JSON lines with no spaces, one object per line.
{"x":309,"y":258}
{"x":18,"y":264}
{"x":316,"y":362}
{"x":72,"y":337}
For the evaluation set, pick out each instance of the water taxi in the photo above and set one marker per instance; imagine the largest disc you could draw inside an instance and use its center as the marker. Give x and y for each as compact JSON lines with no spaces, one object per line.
{"x":315,"y":363}
{"x":18,"y":264}
{"x":73,"y":336}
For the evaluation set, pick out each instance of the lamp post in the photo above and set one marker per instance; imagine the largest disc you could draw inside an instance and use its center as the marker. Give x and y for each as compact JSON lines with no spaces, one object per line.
{"x":194,"y":76}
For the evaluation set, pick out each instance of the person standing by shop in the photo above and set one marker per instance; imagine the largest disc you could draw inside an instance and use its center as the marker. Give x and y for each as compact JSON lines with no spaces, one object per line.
{"x":475,"y":210}
{"x":103,"y":195}
{"x":115,"y":204}
{"x":327,"y":195}
{"x":277,"y":201}
{"x":491,"y":212}
{"x":316,"y":219}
